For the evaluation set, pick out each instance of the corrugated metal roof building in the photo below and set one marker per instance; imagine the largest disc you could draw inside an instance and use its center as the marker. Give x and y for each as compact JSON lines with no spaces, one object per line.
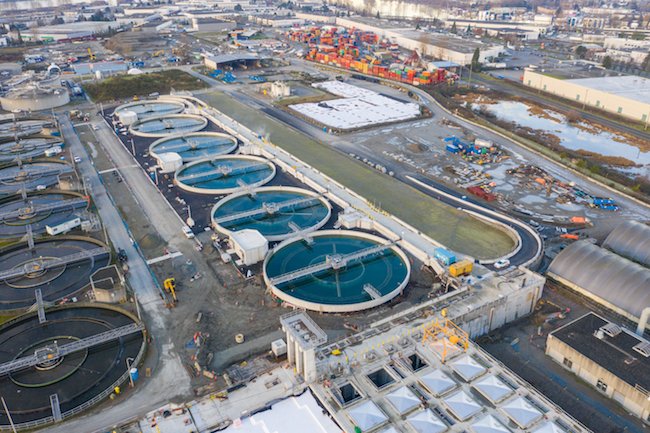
{"x":632,"y":240}
{"x":614,"y":281}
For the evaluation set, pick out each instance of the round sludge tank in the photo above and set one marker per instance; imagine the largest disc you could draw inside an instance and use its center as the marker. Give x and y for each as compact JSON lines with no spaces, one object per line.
{"x":60,"y":267}
{"x":26,"y":148}
{"x":38,"y":211}
{"x":194,"y":146}
{"x":30,"y":176}
{"x":336,"y":271}
{"x":276,"y":212}
{"x":156,"y":127}
{"x":82,"y":376}
{"x":22,"y":128}
{"x":224,"y":174}
{"x":145,"y":109}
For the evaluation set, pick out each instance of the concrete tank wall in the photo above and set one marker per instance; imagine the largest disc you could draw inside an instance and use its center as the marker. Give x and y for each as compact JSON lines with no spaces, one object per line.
{"x":36,"y":102}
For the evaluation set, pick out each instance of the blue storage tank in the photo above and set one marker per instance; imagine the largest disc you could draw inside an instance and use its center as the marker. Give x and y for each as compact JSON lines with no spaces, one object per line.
{"x":444,"y":256}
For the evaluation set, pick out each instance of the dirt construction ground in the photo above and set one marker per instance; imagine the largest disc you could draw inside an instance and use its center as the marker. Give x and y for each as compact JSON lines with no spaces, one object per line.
{"x":229,"y":304}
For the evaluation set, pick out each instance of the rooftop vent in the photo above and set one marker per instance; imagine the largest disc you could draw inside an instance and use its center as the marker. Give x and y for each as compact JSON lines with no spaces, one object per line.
{"x":611,"y":329}
{"x":643,"y":348}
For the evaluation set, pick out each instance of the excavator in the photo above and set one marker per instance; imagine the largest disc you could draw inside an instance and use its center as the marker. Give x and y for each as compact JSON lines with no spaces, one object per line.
{"x":170,"y":286}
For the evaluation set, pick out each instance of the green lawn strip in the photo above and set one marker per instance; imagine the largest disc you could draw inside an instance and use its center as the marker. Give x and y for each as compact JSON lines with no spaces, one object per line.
{"x":451,"y":227}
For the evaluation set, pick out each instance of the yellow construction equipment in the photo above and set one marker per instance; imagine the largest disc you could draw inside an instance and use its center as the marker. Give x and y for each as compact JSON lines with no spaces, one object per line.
{"x":91,"y":56}
{"x":461,"y":267}
{"x":448,"y":333}
{"x":158,"y":53}
{"x":170,"y":286}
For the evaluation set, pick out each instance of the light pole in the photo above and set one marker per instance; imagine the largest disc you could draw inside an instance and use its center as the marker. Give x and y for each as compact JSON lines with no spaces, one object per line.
{"x":128,"y":368}
{"x":132,"y":147}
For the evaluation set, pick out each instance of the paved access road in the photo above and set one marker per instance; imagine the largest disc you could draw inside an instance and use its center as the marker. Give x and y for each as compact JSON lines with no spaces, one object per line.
{"x":170,"y":379}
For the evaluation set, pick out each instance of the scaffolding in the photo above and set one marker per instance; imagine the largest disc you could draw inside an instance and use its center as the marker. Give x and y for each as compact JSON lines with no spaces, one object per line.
{"x":448,"y":333}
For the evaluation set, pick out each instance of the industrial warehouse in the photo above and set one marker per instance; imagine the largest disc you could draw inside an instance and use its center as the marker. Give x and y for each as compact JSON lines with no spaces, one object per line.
{"x":625,"y":96}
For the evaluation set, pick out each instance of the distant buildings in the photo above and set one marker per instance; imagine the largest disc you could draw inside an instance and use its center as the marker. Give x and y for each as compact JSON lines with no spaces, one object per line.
{"x":69,"y":31}
{"x":440,"y":46}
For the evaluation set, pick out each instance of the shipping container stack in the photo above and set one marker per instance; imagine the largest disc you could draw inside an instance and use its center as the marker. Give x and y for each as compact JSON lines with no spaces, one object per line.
{"x":362,"y":52}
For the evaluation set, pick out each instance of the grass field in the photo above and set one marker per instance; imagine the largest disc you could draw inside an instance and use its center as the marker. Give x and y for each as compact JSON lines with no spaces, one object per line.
{"x":127,"y":86}
{"x":443,"y":223}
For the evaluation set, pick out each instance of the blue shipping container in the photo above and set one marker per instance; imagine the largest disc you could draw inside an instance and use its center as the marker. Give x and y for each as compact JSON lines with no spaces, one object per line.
{"x":444,"y":256}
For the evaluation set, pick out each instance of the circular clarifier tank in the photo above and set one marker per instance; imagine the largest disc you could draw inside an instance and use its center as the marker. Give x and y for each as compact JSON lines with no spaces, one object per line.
{"x":224,"y":174}
{"x":194,"y":146}
{"x":162,"y":126}
{"x":60,"y":267}
{"x":276,"y":212}
{"x":22,"y":128}
{"x":79,"y":378}
{"x":31,"y":175}
{"x":26,"y":148}
{"x":38,"y":211}
{"x":336,"y":271}
{"x":146,"y":109}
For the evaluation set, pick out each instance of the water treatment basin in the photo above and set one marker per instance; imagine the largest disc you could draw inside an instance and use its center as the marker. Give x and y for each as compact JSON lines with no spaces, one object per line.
{"x":336,"y":271}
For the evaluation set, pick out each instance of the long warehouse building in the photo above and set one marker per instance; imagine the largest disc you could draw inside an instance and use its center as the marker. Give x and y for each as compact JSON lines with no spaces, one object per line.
{"x":627,"y":96}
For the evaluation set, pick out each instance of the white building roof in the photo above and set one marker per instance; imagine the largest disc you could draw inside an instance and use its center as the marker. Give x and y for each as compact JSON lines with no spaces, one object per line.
{"x":493,"y":388}
{"x":358,"y":108}
{"x":462,"y":405}
{"x":437,"y":382}
{"x":489,"y":424}
{"x":403,"y":399}
{"x":426,"y":422}
{"x":367,"y":415}
{"x":468,"y":368}
{"x":303,"y":411}
{"x":549,"y":427}
{"x":521,"y":412}
{"x":248,"y":239}
{"x":627,"y":86}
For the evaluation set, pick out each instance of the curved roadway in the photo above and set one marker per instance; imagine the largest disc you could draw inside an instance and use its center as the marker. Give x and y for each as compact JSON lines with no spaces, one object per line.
{"x":531,"y":243}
